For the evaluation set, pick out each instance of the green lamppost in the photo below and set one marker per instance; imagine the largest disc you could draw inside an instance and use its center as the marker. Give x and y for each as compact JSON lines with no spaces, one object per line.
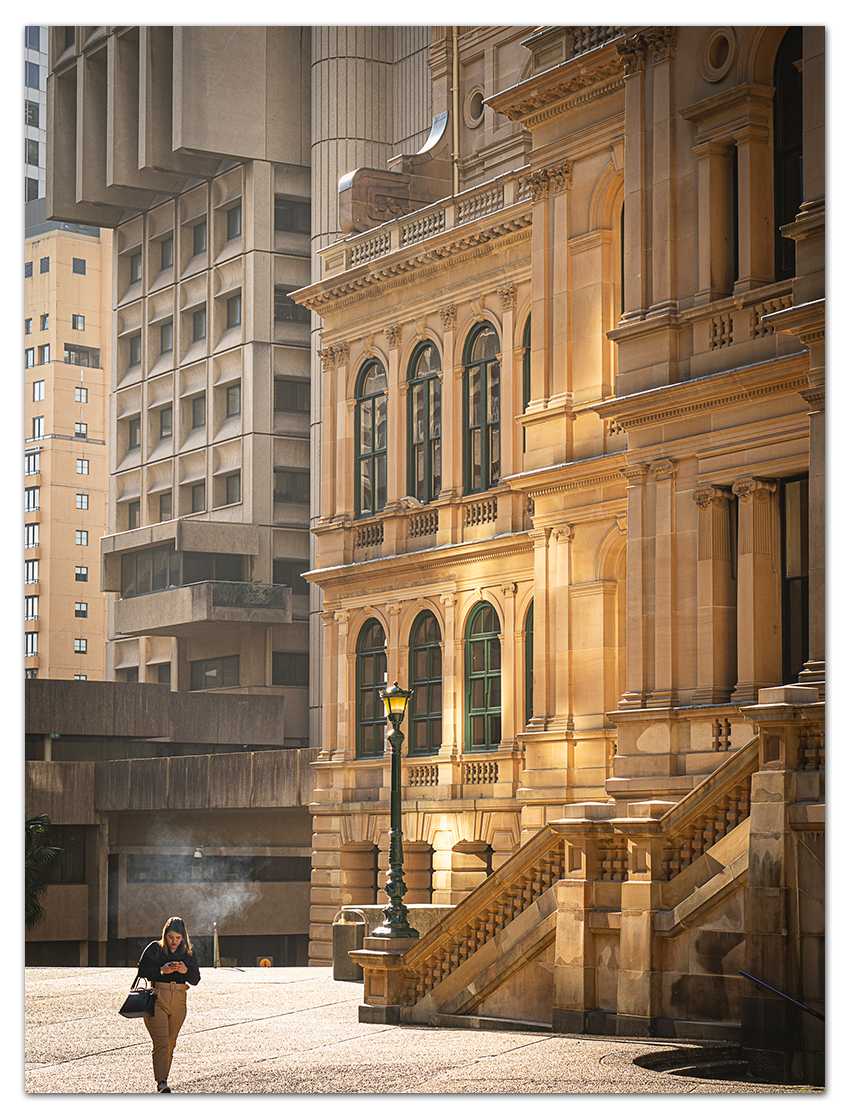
{"x":395,"y":915}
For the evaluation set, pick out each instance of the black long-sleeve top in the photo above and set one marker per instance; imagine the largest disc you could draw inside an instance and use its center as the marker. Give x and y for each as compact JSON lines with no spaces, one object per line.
{"x":154,"y":957}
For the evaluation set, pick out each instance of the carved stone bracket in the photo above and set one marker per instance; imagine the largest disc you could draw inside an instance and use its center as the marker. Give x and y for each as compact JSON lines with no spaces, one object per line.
{"x":477,"y":312}
{"x":419,"y":328}
{"x":341,"y":353}
{"x":326,"y":356}
{"x":393,"y":335}
{"x":508,"y":297}
{"x":509,"y":590}
{"x":368,"y":345}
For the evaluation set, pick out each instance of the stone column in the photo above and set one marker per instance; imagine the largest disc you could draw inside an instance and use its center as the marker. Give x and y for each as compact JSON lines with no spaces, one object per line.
{"x":661,"y":42}
{"x":636,"y":248}
{"x":664,"y":693}
{"x":448,"y":748}
{"x":755,"y":228}
{"x":509,"y":432}
{"x":636,"y":588}
{"x":542,"y":665}
{"x":338,"y":688}
{"x":714,"y":177}
{"x":509,"y":675}
{"x":326,"y":483}
{"x":759,"y":599}
{"x":451,"y":409}
{"x":716,"y":598}
{"x":541,"y":301}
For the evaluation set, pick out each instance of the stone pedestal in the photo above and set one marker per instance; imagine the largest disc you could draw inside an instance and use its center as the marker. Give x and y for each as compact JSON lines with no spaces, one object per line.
{"x":384,"y":977}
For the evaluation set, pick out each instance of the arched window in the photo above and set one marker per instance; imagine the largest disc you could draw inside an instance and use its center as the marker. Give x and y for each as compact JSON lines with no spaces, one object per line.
{"x":424,"y":475}
{"x":425,"y":715}
{"x":481,"y":410}
{"x":371,"y":679}
{"x":529,"y":664}
{"x":370,"y":436}
{"x":787,"y":145}
{"x":483,"y":680}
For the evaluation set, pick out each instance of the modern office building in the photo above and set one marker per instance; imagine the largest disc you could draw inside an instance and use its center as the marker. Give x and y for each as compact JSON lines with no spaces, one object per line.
{"x":67,"y":361}
{"x":567,"y":287}
{"x":35,"y":112}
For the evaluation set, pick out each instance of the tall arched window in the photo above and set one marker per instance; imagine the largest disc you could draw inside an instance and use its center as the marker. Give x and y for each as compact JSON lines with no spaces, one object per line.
{"x":787,"y":145}
{"x":481,"y":410}
{"x":529,"y":664}
{"x":371,"y":679}
{"x":424,"y":424}
{"x":370,"y":436}
{"x":425,"y":715}
{"x":483,"y":680}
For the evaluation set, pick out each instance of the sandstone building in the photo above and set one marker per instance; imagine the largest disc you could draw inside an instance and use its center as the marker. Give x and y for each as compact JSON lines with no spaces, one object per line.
{"x":567,"y":453}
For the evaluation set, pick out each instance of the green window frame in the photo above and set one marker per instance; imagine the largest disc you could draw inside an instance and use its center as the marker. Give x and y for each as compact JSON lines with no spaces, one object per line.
{"x":424,"y":423}
{"x":794,"y":520}
{"x":425,"y":676}
{"x":482,"y":458}
{"x":371,"y":679}
{"x":529,"y":664}
{"x":483,"y":658}
{"x":370,"y":440}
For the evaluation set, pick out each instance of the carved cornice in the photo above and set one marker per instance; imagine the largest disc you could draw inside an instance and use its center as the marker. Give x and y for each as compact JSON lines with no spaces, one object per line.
{"x":392,"y":270}
{"x":549,"y":95}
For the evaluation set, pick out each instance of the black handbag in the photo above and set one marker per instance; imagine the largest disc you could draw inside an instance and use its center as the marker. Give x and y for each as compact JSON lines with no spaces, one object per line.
{"x":140,"y":1002}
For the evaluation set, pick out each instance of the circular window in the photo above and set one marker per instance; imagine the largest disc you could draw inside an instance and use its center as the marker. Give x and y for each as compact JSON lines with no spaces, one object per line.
{"x":473,"y":107}
{"x":717,"y":53}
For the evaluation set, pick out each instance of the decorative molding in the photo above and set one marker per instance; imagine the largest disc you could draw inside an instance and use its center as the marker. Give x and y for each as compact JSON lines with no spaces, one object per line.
{"x":549,"y":100}
{"x":706,"y":496}
{"x":509,"y":590}
{"x":662,"y":42}
{"x":635,"y":473}
{"x":758,"y":488}
{"x":448,"y":598}
{"x":342,"y":617}
{"x":393,"y":335}
{"x":367,"y":344}
{"x":565,"y":533}
{"x":477,"y":312}
{"x":632,"y":51}
{"x":394,"y":607}
{"x":326,"y":356}
{"x":341,"y":353}
{"x":559,"y":176}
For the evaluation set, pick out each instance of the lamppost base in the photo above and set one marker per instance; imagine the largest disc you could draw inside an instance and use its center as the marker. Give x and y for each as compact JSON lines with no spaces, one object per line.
{"x":395,"y":933}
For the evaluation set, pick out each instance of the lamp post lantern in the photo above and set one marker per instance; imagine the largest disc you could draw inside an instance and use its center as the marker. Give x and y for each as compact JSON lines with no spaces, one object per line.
{"x":395,"y":922}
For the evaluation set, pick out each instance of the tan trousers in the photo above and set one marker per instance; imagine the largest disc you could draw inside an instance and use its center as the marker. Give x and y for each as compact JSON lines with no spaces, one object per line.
{"x":165,"y":1025}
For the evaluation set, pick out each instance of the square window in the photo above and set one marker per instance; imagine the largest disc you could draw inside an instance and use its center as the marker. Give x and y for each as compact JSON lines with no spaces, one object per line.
{"x":31,"y":113}
{"x":82,"y":466}
{"x":81,"y":573}
{"x":44,"y":354}
{"x":291,"y":216}
{"x":45,"y":322}
{"x":165,"y":422}
{"x":166,"y":338}
{"x":234,"y":221}
{"x":81,"y":645}
{"x":135,"y":267}
{"x":199,"y":497}
{"x":234,"y":311}
{"x":32,"y":75}
{"x":134,"y":514}
{"x":78,"y":265}
{"x":199,"y":324}
{"x":166,"y":252}
{"x":291,"y":395}
{"x":81,"y":610}
{"x":82,"y":501}
{"x":29,"y":357}
{"x":78,"y":322}
{"x":32,"y":152}
{"x":82,"y":537}
{"x":44,"y":265}
{"x":286,"y":310}
{"x":199,"y":237}
{"x":38,"y":390}
{"x":234,"y":400}
{"x":135,"y":349}
{"x":38,"y":427}
{"x":199,"y":412}
{"x":134,"y":432}
{"x":81,"y":394}
{"x":27,"y":266}
{"x":165,"y":506}
{"x":233,"y":489}
{"x":80,"y":429}
{"x":27,"y":326}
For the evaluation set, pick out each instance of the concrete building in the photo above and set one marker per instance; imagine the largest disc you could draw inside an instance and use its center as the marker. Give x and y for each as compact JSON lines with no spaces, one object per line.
{"x":35,"y":112}
{"x":67,"y":360}
{"x":568,"y":471}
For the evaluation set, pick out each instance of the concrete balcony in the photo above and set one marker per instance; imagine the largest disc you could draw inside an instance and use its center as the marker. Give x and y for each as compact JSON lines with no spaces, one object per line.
{"x":185,"y":611}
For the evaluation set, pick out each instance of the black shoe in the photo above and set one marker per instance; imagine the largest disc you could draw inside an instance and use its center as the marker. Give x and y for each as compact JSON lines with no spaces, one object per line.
{"x":162,"y":1087}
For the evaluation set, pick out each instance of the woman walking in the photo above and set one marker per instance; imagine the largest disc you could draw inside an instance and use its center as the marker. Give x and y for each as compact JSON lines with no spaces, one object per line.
{"x":171,"y":966}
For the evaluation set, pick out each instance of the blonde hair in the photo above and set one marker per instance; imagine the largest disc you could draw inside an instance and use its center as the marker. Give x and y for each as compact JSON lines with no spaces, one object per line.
{"x":179,"y":926}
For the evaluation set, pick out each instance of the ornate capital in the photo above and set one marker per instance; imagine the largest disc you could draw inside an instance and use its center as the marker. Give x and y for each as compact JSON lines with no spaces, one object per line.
{"x":393,"y":335}
{"x":508,"y":297}
{"x":635,"y":473}
{"x":664,"y":470}
{"x":328,"y":617}
{"x":558,"y":176}
{"x":539,"y":537}
{"x":758,"y":488}
{"x":341,"y":353}
{"x":326,"y":356}
{"x":394,"y":608}
{"x":342,"y":617}
{"x":561,"y":175}
{"x":633,"y":53}
{"x":509,"y":590}
{"x":448,"y":598}
{"x":448,"y":314}
{"x":662,"y":42}
{"x":565,"y":533}
{"x":707,"y":496}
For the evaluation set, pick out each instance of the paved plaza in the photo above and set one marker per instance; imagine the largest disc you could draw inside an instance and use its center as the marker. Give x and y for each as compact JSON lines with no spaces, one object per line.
{"x":295,"y":1030}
